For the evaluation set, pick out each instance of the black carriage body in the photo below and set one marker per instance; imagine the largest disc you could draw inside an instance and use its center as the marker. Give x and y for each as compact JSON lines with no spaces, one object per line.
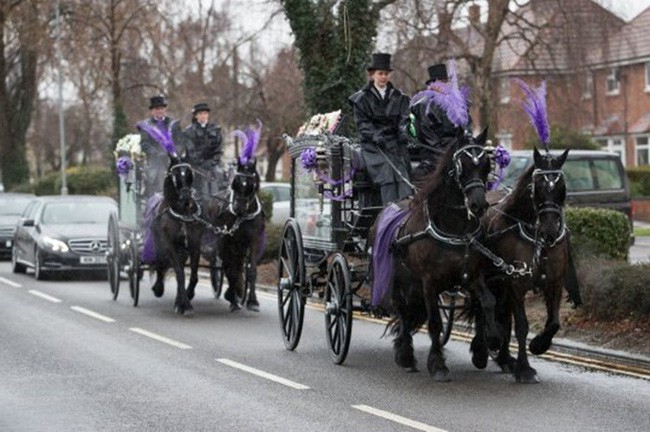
{"x":330,"y":204}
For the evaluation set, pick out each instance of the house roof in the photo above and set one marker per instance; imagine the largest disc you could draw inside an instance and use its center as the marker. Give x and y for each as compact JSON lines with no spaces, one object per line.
{"x":629,"y":45}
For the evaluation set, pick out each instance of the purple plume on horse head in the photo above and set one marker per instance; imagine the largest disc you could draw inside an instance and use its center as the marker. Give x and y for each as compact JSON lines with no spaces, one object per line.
{"x":163,"y":136}
{"x":251,"y":138}
{"x":535,"y":107}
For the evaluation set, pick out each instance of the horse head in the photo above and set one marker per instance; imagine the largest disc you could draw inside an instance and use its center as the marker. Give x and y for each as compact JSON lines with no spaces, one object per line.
{"x":470,"y":168}
{"x":548,"y":193}
{"x":179,"y":180}
{"x":243,"y":189}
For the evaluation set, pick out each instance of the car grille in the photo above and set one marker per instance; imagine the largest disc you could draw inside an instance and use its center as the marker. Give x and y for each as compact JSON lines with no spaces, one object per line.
{"x":88,"y":246}
{"x":6,"y":231}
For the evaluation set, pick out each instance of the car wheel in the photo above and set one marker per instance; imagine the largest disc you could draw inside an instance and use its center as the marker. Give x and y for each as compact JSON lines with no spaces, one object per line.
{"x":16,"y":267}
{"x":39,"y":273}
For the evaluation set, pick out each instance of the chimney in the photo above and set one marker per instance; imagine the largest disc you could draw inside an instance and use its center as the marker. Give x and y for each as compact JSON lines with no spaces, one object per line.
{"x":475,"y":15}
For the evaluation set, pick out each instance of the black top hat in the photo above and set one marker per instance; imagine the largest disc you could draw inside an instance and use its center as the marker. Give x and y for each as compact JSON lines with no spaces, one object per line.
{"x":157,"y":101}
{"x":380,"y":61}
{"x":436,"y":72}
{"x":201,"y":106}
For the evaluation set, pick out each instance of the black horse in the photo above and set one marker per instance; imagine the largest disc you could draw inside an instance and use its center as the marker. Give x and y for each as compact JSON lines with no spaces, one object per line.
{"x":433,"y":254}
{"x":527,"y":229}
{"x":177,"y":234}
{"x":237,"y":220}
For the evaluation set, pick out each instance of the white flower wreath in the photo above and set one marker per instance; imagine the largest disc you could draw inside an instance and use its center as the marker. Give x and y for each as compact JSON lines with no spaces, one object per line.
{"x":129,"y":145}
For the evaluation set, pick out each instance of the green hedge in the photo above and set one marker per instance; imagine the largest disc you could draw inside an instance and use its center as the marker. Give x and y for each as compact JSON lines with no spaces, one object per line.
{"x":266,"y":198}
{"x":273,"y":234}
{"x":81,"y":180}
{"x":614,"y":290}
{"x":639,"y":180}
{"x":598,"y":233}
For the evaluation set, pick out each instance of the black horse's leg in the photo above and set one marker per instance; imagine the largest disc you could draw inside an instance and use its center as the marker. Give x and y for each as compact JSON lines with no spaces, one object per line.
{"x":233,"y":270}
{"x":542,"y":342}
{"x":523,"y":372}
{"x":182,"y":304}
{"x":493,"y":333}
{"x":436,"y":360}
{"x":504,"y":317}
{"x":404,"y":326}
{"x":195,"y":254}
{"x":478,"y":346}
{"x":251,"y":278}
{"x":158,"y":287}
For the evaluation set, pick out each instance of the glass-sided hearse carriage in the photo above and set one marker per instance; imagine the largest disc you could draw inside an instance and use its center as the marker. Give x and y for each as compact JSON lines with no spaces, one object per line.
{"x":324,"y":252}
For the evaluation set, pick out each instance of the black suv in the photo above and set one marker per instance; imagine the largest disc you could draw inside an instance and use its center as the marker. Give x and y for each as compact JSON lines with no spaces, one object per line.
{"x":593,"y":178}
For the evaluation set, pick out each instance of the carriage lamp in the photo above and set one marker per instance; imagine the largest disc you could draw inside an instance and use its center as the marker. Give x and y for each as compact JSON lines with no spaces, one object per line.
{"x":55,"y":245}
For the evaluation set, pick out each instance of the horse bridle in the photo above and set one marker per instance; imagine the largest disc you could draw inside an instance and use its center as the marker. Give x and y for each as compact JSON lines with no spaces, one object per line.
{"x":170,"y":171}
{"x":249,"y":201}
{"x":551,"y":179}
{"x":457,"y":171}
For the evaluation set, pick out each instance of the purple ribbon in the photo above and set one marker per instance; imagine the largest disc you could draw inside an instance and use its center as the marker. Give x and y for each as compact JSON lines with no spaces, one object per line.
{"x":502,"y":159}
{"x":309,"y":162}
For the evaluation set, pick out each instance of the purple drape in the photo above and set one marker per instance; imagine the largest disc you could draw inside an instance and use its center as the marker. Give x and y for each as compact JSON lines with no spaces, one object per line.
{"x":390,"y":219}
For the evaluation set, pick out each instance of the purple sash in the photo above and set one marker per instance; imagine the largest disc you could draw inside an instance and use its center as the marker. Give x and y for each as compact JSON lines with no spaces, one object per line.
{"x":390,"y":219}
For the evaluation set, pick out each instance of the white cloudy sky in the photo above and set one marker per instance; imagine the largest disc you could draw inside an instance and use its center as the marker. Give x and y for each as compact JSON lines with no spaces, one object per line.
{"x":252,"y":15}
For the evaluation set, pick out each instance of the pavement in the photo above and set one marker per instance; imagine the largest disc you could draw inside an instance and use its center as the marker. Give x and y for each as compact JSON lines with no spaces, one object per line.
{"x":640,"y":250}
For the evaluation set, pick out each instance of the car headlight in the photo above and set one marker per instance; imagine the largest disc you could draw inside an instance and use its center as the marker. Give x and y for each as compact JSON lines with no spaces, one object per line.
{"x":55,"y":245}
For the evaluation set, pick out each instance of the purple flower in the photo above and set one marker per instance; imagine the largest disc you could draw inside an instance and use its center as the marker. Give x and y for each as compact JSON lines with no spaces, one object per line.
{"x":124,"y":165}
{"x":502,"y":156}
{"x":308,"y":159}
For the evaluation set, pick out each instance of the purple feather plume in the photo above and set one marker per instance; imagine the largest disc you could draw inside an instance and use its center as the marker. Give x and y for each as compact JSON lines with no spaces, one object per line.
{"x":535,"y":107}
{"x":163,"y":136}
{"x":251,"y":137}
{"x":451,"y":98}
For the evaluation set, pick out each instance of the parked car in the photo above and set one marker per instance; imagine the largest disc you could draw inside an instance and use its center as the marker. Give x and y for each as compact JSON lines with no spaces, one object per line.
{"x":281,"y":193}
{"x":593,"y":178}
{"x":62,"y":234}
{"x":12,"y":206}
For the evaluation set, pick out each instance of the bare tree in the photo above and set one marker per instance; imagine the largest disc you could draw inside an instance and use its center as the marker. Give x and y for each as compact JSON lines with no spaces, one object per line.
{"x":23,"y":27}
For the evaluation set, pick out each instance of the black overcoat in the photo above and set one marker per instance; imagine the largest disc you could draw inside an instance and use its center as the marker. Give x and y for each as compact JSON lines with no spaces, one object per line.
{"x":207,"y":145}
{"x":383,"y":124}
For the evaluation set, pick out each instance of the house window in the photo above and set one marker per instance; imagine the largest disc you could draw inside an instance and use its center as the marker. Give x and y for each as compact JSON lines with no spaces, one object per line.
{"x":613,"y":83}
{"x":613,"y":145}
{"x":647,"y":76}
{"x":505,"y":90}
{"x":588,"y":84}
{"x":642,"y":150}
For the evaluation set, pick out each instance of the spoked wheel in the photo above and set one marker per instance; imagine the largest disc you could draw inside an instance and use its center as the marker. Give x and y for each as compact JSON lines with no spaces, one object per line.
{"x":216,"y":275}
{"x":135,"y":273}
{"x":291,"y":277}
{"x":447,"y":304}
{"x":113,"y":256}
{"x":338,"y":308}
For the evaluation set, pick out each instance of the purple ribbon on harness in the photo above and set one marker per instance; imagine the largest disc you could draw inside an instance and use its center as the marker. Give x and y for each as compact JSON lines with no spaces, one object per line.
{"x":309,"y":163}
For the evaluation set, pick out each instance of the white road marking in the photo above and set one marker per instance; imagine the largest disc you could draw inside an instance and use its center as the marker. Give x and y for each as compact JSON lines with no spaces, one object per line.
{"x":10,"y":282}
{"x":159,"y":338}
{"x":92,"y":314}
{"x":397,"y":419}
{"x":44,"y":296}
{"x":263,"y":374}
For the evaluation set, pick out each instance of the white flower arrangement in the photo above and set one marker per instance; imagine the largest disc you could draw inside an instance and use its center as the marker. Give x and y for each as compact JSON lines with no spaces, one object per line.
{"x":321,"y":123}
{"x":129,"y":145}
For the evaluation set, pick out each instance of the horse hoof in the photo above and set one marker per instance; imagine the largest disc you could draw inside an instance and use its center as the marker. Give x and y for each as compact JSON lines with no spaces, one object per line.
{"x":539,"y":346}
{"x":480,"y":360}
{"x":253,"y":307}
{"x":158,"y":292}
{"x":411,"y":369}
{"x":527,"y":378}
{"x":441,"y":376}
{"x":234,"y":307}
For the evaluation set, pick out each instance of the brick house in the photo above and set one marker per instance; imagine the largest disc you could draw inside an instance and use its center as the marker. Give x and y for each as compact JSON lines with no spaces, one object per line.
{"x":600,"y":87}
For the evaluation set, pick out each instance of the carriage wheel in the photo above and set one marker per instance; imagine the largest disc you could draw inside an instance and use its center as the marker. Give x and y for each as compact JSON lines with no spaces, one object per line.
{"x":216,"y":275}
{"x":447,"y":308}
{"x":291,"y":277}
{"x":135,"y":272}
{"x":113,"y":255}
{"x":338,"y":308}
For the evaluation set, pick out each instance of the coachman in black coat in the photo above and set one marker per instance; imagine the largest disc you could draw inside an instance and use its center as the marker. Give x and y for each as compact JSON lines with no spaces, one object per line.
{"x":383,"y":122}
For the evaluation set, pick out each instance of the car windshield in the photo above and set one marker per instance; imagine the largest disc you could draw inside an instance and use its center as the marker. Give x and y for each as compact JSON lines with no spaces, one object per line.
{"x":514,"y":170}
{"x":81,"y":212}
{"x":13,"y":206}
